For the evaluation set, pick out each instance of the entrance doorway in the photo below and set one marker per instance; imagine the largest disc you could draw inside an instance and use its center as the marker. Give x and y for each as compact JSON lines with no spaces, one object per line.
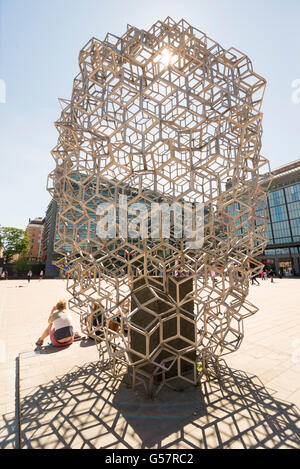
{"x":286,"y":268}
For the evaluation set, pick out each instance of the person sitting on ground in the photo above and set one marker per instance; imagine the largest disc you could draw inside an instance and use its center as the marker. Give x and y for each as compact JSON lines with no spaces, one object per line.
{"x":115,"y":323}
{"x":60,"y":327}
{"x":96,"y":317}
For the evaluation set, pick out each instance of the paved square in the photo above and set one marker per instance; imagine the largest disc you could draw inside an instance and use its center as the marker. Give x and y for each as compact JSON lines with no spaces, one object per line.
{"x":67,"y":401}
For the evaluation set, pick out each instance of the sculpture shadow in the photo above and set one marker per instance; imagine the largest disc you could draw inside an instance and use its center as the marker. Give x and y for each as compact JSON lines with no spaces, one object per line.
{"x":8,"y":431}
{"x":87,"y":342}
{"x":87,"y":409}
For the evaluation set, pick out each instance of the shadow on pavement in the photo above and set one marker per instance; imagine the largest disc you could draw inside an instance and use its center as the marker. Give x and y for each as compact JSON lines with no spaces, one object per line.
{"x":87,"y":408}
{"x":8,"y":431}
{"x":86,"y":342}
{"x":49,"y":349}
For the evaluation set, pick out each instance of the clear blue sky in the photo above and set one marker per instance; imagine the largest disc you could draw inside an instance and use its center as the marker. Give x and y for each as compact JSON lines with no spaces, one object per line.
{"x":39,"y":45}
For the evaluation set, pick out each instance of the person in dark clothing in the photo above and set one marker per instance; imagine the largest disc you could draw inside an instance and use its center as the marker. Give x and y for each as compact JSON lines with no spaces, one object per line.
{"x":29,"y":275}
{"x":96,"y":318}
{"x":254,"y":279}
{"x":272,"y":275}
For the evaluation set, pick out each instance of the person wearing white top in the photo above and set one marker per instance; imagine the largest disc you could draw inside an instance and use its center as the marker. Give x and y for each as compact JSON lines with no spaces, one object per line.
{"x":60,"y":327}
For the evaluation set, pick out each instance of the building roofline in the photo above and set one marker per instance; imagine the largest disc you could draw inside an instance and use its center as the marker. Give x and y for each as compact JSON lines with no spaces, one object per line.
{"x":286,"y":168}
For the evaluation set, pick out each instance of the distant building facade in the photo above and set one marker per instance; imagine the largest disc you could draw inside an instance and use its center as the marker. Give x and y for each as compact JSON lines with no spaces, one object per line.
{"x":35,"y":230}
{"x":282,"y":253}
{"x":283,"y":250}
{"x":48,"y":254}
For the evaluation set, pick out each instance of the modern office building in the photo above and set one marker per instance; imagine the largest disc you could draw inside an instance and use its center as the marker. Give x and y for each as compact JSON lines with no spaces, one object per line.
{"x":35,"y":230}
{"x":51,"y":271}
{"x":283,"y":250}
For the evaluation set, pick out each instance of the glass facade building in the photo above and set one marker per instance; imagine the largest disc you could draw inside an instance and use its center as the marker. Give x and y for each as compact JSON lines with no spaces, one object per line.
{"x":283,"y":232}
{"x":283,"y":250}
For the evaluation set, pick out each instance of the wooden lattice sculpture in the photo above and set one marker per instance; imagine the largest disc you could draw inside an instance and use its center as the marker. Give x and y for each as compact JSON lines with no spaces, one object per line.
{"x":161,"y":116}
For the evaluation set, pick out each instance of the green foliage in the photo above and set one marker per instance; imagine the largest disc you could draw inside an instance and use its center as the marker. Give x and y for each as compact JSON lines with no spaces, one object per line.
{"x":13,"y":241}
{"x":22,"y":266}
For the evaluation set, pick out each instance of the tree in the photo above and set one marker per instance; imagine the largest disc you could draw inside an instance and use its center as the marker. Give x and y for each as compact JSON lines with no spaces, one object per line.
{"x":13,"y":241}
{"x":22,"y":266}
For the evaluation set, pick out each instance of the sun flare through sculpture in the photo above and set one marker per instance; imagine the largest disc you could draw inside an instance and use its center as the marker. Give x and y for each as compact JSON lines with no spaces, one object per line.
{"x":159,"y":118}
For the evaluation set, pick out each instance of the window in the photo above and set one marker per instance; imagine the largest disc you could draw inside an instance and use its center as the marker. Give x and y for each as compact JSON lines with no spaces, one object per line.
{"x":293,"y":193}
{"x":269,"y":234}
{"x":270,"y":252}
{"x":294,"y":210}
{"x":282,"y":252}
{"x":282,"y":232}
{"x":295,"y":225}
{"x":279,"y":213}
{"x":276,"y":198}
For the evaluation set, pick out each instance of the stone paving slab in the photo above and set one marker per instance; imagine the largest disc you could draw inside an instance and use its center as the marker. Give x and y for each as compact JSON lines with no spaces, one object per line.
{"x":87,"y":409}
{"x":24,"y":310}
{"x":271,"y":347}
{"x":68,"y":401}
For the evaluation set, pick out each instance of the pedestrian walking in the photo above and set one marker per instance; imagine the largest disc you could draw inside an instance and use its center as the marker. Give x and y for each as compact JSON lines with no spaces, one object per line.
{"x":272,"y":275}
{"x":41,"y":275}
{"x":29,"y":275}
{"x":254,"y":279}
{"x":213,"y":277}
